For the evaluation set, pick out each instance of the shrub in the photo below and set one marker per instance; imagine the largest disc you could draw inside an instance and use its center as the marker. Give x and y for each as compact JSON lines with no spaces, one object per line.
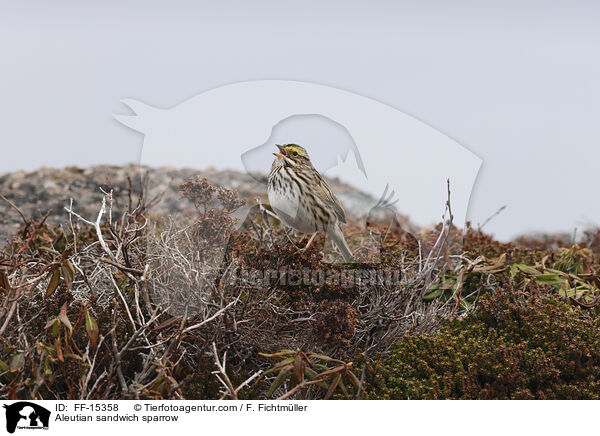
{"x":335,"y":322}
{"x":517,"y":345}
{"x":181,"y":306}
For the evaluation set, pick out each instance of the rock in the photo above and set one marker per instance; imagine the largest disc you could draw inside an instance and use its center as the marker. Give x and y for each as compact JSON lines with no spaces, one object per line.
{"x":48,"y":189}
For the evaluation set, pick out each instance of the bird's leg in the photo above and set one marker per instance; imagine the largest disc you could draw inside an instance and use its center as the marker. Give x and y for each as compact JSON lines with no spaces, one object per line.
{"x":309,"y":241}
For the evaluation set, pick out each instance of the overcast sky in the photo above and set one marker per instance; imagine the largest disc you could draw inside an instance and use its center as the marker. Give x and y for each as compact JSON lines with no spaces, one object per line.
{"x":515,"y":82}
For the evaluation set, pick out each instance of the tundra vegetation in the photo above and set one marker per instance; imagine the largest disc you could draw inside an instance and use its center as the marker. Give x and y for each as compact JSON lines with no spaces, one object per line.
{"x":130,"y":304}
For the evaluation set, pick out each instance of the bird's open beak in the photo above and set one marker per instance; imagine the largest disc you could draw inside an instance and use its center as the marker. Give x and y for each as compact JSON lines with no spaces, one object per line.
{"x":282,"y":151}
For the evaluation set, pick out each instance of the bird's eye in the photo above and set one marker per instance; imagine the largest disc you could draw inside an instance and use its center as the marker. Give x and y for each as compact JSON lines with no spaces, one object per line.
{"x":295,"y":153}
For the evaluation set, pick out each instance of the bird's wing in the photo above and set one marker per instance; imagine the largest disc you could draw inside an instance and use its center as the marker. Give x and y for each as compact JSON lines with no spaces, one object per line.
{"x":327,"y":195}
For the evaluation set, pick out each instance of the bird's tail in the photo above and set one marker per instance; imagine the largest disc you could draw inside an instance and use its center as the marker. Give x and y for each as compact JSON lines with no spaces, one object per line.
{"x":336,"y":235}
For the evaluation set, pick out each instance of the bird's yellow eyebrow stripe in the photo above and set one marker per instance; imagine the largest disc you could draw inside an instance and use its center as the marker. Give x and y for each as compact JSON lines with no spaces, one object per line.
{"x":292,"y":148}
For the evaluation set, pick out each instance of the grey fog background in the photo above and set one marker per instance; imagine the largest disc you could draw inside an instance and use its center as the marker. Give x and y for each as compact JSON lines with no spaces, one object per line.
{"x":514,"y":82}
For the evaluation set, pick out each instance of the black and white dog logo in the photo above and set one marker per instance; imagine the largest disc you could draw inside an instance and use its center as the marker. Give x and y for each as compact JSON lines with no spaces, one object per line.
{"x":26,"y":415}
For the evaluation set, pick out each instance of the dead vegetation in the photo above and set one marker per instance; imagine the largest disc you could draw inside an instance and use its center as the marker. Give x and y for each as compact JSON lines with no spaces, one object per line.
{"x":199,"y":305}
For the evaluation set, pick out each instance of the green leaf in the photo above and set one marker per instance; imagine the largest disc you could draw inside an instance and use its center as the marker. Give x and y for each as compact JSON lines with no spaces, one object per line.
{"x":17,"y":362}
{"x":278,"y":355}
{"x":59,"y":352}
{"x":276,"y":369}
{"x":343,"y":389}
{"x":321,"y":366}
{"x":553,"y":279}
{"x":67,"y":270}
{"x":47,"y":366}
{"x":312,"y":375}
{"x":284,"y":362}
{"x":91,"y":327}
{"x":527,"y":269}
{"x":333,"y":386}
{"x":322,"y":357}
{"x":54,"y":281}
{"x":49,"y":323}
{"x":513,"y":271}
{"x":433,"y":295}
{"x":299,"y":367}
{"x":354,"y":379}
{"x":548,"y":277}
{"x":283,"y":374}
{"x":567,"y":292}
{"x":56,"y":328}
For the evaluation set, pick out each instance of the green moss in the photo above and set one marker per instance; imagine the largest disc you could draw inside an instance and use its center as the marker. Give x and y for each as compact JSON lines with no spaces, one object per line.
{"x":515,"y":346}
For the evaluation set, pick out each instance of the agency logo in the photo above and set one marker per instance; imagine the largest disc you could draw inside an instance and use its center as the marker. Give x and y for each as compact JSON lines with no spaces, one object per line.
{"x":26,"y":415}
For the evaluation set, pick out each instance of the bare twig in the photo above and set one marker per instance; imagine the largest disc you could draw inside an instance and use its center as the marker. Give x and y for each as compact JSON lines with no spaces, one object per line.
{"x":11,"y":204}
{"x":206,"y":321}
{"x":492,"y":216}
{"x":222,"y":376}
